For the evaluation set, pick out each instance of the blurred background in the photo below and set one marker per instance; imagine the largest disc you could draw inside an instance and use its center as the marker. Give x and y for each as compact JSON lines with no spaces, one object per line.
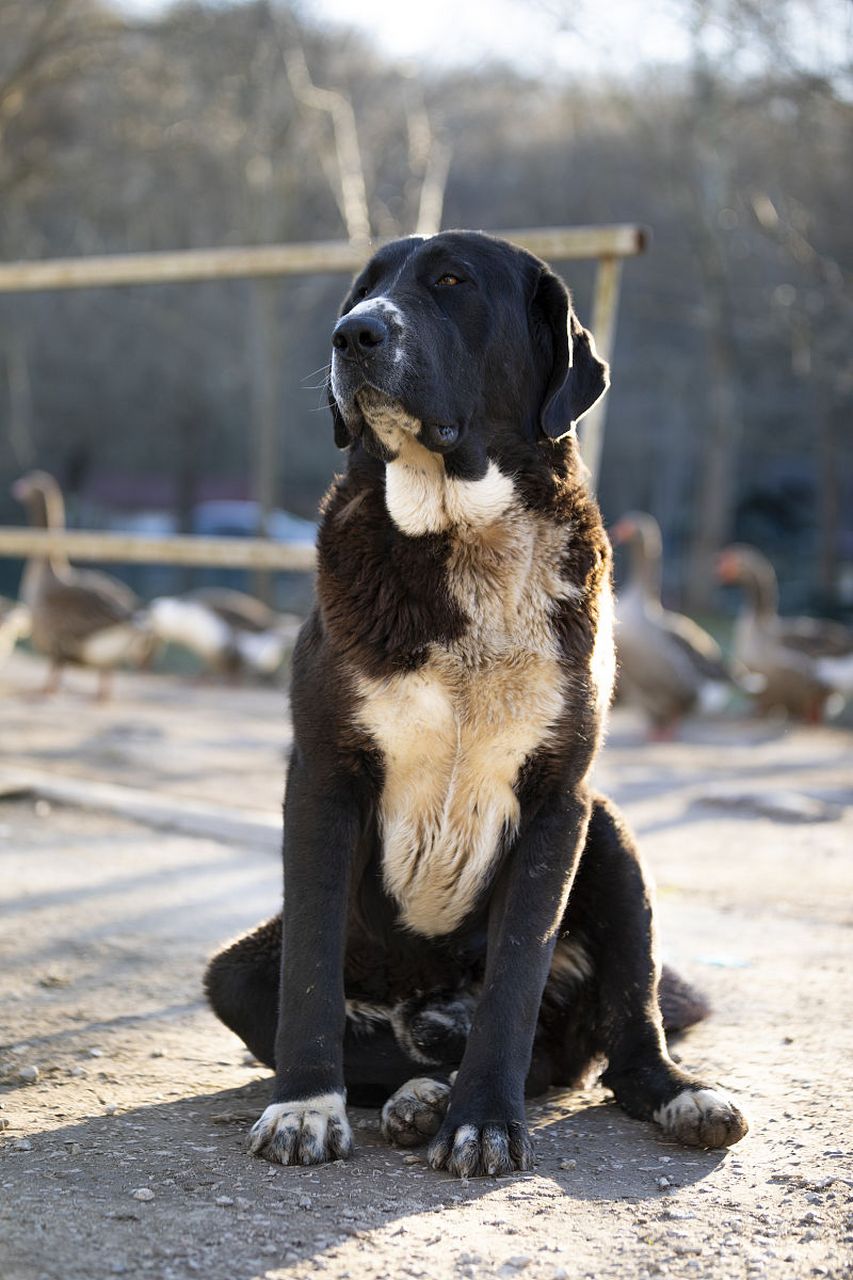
{"x":724,"y":126}
{"x":137,"y":833}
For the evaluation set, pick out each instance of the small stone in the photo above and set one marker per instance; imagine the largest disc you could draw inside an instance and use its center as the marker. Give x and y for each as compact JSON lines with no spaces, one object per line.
{"x":143,"y":1193}
{"x":225,"y":1201}
{"x":663,"y":1183}
{"x":518,"y":1262}
{"x":568,"y":1164}
{"x":411,"y":1159}
{"x":305,"y":1202}
{"x":76,"y":1071}
{"x":157,"y":1053}
{"x":29,"y":1075}
{"x":54,"y":980}
{"x":22,"y":1144}
{"x":111,"y":1108}
{"x":4,"y":1123}
{"x":73,"y":1148}
{"x":96,"y":1053}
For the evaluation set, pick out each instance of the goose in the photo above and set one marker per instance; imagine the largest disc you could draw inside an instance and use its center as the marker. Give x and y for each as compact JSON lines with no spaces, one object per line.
{"x":806,"y":663}
{"x":230,"y":631}
{"x":77,"y":616}
{"x":262,"y":636}
{"x":668,"y":664}
{"x":14,"y":626}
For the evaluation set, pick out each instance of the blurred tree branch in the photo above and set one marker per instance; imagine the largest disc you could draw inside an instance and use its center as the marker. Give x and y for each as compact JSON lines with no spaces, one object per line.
{"x":350,"y":188}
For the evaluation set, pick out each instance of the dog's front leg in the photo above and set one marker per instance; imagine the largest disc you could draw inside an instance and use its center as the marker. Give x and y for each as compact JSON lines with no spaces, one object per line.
{"x":484,"y":1131}
{"x":306,"y":1122}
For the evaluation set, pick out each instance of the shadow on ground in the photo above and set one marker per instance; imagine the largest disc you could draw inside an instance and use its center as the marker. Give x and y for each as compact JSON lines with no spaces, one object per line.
{"x":215,"y":1210}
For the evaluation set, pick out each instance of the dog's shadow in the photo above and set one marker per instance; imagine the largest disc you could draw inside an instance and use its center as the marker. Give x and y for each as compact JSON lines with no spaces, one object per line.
{"x":215,"y":1208}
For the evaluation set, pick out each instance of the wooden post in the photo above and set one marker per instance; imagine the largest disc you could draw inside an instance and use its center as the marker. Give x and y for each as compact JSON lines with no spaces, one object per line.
{"x":263,"y":371}
{"x":604,"y":307}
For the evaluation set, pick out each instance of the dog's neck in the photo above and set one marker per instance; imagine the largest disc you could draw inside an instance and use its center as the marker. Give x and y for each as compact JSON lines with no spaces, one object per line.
{"x":421,"y":496}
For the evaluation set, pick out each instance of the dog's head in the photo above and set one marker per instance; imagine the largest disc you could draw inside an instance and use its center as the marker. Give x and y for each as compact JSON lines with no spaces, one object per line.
{"x":463,"y":342}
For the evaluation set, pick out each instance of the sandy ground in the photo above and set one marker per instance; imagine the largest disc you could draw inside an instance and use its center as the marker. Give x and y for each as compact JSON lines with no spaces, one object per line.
{"x":126,"y":1154}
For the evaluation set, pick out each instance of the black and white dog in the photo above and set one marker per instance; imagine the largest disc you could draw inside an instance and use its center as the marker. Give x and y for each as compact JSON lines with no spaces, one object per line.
{"x":463,"y":920}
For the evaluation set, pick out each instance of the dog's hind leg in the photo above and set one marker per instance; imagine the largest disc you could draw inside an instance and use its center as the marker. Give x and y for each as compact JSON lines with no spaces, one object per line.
{"x":384,"y":1046}
{"x":241,"y":984}
{"x":610,"y":910}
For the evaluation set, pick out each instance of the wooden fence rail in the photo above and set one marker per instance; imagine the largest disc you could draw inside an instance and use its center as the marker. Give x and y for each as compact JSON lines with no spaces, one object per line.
{"x":132,"y":548}
{"x":558,"y":244}
{"x":608,"y":245}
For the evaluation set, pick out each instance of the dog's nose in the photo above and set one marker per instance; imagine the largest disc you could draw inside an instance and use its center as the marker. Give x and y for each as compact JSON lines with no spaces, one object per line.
{"x":359,"y":335}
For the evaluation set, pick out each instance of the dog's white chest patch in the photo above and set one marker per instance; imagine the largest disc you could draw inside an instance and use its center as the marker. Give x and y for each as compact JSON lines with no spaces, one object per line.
{"x":455,"y":733}
{"x":422,"y":499}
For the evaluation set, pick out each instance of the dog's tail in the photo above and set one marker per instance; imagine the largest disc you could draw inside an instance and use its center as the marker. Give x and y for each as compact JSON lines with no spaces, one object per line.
{"x":681,"y":1004}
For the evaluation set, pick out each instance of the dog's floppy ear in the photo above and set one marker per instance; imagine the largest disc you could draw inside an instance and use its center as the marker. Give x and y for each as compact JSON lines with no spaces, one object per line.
{"x":578,"y":377}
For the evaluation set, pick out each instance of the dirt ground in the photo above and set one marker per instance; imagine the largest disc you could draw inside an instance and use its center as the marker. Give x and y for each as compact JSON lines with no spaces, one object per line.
{"x":124,"y":1105}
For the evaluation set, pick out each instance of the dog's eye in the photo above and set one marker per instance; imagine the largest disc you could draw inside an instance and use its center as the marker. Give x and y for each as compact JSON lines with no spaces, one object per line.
{"x":448,"y":279}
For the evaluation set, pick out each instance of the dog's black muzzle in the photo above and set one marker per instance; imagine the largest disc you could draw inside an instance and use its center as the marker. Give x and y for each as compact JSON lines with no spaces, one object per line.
{"x":360,"y":337}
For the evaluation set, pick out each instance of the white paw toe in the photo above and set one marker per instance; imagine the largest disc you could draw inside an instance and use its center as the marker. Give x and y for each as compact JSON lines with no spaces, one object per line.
{"x":309,"y":1131}
{"x":702,"y":1118}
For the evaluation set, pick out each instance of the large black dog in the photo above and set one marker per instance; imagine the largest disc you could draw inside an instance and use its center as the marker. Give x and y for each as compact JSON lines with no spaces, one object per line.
{"x":456,"y":900}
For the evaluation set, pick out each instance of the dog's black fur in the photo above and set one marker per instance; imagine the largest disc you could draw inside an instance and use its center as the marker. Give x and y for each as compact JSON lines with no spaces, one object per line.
{"x":439,"y":915}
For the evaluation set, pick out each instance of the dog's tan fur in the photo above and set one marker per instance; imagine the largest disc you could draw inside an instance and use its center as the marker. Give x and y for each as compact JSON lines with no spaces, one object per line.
{"x":455,"y":733}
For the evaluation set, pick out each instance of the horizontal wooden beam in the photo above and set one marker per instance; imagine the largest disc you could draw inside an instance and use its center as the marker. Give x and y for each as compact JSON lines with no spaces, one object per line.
{"x":557,"y":244}
{"x":131,"y":548}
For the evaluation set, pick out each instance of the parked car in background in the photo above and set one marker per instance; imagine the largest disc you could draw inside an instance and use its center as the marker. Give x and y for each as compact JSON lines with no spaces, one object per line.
{"x":236,"y":518}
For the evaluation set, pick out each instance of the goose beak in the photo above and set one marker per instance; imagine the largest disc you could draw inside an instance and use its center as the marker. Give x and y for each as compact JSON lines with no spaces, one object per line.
{"x":726,"y":567}
{"x":621,"y":532}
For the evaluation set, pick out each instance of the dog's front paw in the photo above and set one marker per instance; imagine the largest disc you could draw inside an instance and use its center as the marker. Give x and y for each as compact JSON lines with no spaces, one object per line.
{"x":415,"y":1112}
{"x":472,"y":1151}
{"x":703,"y":1117}
{"x":310,"y":1131}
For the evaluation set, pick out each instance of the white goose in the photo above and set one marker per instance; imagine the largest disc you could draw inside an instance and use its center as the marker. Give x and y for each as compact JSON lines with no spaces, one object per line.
{"x":230,"y":631}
